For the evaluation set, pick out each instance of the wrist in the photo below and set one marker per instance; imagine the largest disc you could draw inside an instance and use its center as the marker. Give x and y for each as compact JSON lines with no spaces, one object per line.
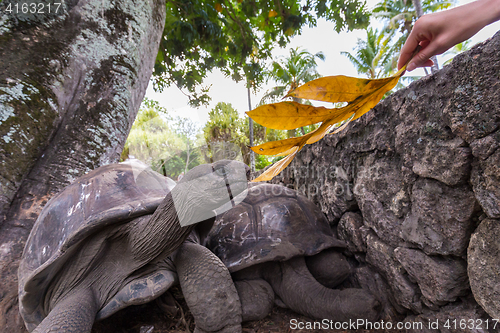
{"x":472,"y":17}
{"x":496,"y":9}
{"x":490,"y":10}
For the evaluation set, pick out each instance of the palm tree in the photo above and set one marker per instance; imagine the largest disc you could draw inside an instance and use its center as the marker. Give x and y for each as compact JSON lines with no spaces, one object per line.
{"x":400,"y":15}
{"x":373,"y":56}
{"x":290,"y":72}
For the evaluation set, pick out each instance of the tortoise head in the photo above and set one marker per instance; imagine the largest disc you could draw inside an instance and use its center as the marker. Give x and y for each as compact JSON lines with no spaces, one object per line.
{"x":209,"y":187}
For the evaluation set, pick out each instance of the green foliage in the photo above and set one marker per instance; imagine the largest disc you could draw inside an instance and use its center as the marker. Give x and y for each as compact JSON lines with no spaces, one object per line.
{"x":400,"y":15}
{"x":237,"y":37}
{"x":264,"y":134}
{"x":377,"y":55}
{"x":226,"y":126}
{"x":373,"y":56}
{"x":272,"y":134}
{"x":290,"y":72}
{"x":162,"y":141}
{"x":180,"y":163}
{"x":261,"y":161}
{"x":150,"y":138}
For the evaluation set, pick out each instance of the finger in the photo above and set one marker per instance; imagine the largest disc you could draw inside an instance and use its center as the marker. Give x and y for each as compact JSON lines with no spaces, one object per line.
{"x":422,"y":58}
{"x":408,"y":48}
{"x":428,"y":63}
{"x":423,"y":44}
{"x":406,"y":53}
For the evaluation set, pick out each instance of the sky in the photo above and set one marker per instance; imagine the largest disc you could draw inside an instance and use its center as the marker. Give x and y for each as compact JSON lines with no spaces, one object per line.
{"x":321,"y":38}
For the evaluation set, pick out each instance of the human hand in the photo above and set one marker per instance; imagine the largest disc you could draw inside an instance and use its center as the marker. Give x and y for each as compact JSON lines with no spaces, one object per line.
{"x":437,"y":32}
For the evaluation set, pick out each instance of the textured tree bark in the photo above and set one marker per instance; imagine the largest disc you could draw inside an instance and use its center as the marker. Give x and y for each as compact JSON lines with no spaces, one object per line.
{"x":71,"y":84}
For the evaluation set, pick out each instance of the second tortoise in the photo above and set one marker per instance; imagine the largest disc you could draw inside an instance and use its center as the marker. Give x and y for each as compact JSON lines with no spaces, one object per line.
{"x":278,"y":245}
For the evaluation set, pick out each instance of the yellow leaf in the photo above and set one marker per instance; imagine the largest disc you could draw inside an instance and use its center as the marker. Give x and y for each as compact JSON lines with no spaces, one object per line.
{"x":292,"y":146}
{"x":276,"y":168}
{"x":277,"y":147}
{"x":326,"y":126}
{"x":340,"y":128}
{"x":360,"y":94}
{"x":341,"y":88}
{"x":338,"y":88}
{"x":273,"y":13}
{"x":218,"y":7}
{"x":289,"y":115}
{"x":369,"y":102}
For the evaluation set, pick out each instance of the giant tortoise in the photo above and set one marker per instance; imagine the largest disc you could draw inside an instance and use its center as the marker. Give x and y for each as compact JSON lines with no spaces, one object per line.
{"x":276,"y":241}
{"x":103,"y":243}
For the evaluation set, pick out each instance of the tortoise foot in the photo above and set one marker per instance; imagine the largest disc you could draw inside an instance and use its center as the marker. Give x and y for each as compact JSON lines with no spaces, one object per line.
{"x":256,"y":297}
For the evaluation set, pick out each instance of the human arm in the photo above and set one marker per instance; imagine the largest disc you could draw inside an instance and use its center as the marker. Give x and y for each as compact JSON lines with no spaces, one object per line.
{"x":437,"y":32}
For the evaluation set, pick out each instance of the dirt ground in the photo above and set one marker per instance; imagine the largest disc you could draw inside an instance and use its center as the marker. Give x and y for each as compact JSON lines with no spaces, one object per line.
{"x":150,"y":318}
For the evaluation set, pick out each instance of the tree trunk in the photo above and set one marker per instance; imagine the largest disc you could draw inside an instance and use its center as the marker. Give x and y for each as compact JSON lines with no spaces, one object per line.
{"x":188,"y":152}
{"x":70,"y":87}
{"x":250,"y":125}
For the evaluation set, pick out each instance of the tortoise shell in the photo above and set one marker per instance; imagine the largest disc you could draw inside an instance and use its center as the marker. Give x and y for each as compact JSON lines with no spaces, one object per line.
{"x":273,"y":223}
{"x":110,"y":195}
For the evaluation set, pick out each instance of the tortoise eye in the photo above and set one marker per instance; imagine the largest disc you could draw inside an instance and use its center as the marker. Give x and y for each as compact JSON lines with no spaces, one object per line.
{"x":221,"y":171}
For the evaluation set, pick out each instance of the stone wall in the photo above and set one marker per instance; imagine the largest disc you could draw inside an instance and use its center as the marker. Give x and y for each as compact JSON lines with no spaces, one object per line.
{"x":408,"y":184}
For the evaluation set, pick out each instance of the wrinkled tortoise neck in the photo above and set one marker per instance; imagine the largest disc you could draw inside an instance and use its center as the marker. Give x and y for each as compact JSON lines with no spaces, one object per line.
{"x":161,"y":234}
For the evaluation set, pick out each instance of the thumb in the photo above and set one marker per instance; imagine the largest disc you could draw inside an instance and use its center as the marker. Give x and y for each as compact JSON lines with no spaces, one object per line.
{"x":422,"y":58}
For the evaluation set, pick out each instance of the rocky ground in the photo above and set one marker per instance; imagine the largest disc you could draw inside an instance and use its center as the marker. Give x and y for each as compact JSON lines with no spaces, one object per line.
{"x":150,"y":318}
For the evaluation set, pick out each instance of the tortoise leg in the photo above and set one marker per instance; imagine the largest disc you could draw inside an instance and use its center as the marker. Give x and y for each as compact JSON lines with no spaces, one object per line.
{"x":329,"y":267}
{"x":73,"y":314}
{"x":297,"y":288}
{"x":256,"y":297}
{"x":208,"y":289}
